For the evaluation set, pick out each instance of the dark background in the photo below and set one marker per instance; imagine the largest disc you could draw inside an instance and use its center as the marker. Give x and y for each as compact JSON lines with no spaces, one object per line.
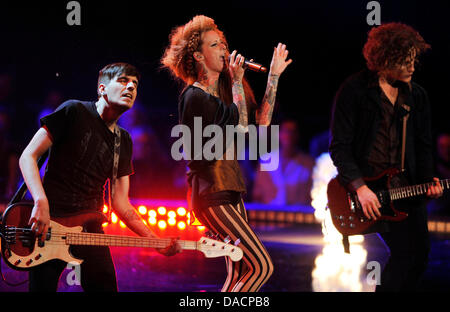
{"x":325,"y":39}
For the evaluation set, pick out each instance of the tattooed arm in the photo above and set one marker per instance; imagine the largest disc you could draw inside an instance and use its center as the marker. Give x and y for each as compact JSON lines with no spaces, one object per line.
{"x":128,"y":214}
{"x":277,"y":67}
{"x":237,"y":73}
{"x":239,"y":100}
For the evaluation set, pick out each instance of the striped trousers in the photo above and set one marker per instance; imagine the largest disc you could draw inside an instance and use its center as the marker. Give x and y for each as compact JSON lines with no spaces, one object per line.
{"x":255,"y":267}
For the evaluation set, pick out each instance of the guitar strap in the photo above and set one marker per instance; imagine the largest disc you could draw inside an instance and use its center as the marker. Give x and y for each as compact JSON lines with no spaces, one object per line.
{"x":112,"y":182}
{"x":405,"y":119}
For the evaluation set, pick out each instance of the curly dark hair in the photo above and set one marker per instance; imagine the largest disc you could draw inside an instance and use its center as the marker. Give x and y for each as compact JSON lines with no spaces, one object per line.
{"x":179,"y":57}
{"x":390,"y":45}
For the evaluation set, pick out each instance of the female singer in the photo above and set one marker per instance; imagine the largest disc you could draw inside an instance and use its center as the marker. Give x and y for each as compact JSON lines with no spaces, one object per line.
{"x":217,"y":91}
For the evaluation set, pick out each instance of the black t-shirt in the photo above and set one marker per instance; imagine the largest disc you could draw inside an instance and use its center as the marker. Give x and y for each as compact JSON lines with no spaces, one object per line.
{"x":81,"y":157}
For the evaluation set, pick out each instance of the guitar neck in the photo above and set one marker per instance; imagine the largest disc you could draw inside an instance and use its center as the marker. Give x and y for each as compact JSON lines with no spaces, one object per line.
{"x":416,"y":190}
{"x":93,"y":239}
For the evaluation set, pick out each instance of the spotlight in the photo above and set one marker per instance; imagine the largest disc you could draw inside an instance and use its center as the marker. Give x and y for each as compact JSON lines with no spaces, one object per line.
{"x":152,"y":220}
{"x":142,"y":210}
{"x":181,"y":225}
{"x":105,"y":209}
{"x":172,"y":221}
{"x":162,"y":210}
{"x":114,"y":218}
{"x":152,"y":213}
{"x":162,"y":224}
{"x":122,"y":225}
{"x":171,"y":214}
{"x":181,"y":211}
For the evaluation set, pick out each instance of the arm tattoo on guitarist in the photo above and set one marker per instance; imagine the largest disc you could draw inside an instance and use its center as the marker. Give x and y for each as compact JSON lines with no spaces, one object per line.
{"x":239,"y":100}
{"x":264,"y":113}
{"x":130,"y":215}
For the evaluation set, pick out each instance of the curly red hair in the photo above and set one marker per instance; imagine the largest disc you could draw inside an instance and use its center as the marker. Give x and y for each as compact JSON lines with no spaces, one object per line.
{"x":179,"y":56}
{"x":391,"y":44}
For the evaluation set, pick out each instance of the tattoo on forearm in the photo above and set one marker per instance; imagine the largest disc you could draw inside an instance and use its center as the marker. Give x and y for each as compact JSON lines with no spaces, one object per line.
{"x":130,"y":215}
{"x":239,"y":100}
{"x":264,"y":114}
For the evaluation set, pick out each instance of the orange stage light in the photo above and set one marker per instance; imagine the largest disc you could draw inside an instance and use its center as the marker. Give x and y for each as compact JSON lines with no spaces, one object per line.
{"x":122,"y":225}
{"x":142,"y":210}
{"x":162,"y":224}
{"x":181,"y":225}
{"x":172,"y":221}
{"x":201,"y":228}
{"x":105,"y":209}
{"x":152,"y":220}
{"x":114,"y":218}
{"x":105,"y":224}
{"x":171,"y":214}
{"x":181,"y":211}
{"x":152,"y":213}
{"x":162,"y":210}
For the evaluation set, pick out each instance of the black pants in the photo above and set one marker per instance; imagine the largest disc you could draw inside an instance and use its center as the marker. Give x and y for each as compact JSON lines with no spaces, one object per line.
{"x":409,"y":246}
{"x":97,"y":272}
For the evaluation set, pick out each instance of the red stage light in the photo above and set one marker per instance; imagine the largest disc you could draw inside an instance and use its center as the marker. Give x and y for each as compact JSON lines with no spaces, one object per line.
{"x":162,"y":224}
{"x":162,"y":210}
{"x":181,"y":225}
{"x":181,"y":211}
{"x":142,"y":210}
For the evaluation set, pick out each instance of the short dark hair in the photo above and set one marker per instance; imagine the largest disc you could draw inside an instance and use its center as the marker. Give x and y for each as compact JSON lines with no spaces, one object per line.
{"x":390,"y":44}
{"x":107,"y":73}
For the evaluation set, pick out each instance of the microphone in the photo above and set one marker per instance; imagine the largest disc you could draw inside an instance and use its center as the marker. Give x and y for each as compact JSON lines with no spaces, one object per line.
{"x":252,"y":65}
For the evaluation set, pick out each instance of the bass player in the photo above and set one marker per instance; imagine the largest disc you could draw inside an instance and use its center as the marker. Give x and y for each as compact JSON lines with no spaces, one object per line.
{"x":82,"y":137}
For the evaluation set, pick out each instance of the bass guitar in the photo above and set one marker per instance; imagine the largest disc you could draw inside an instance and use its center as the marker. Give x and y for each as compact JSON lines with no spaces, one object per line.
{"x":346,"y":210}
{"x":22,"y":249}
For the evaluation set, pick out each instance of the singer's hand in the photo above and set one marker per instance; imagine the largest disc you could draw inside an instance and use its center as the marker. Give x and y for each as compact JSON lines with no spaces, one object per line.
{"x":236,"y":66}
{"x":279,"y":63}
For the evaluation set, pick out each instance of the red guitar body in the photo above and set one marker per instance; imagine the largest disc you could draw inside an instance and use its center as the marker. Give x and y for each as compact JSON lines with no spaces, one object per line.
{"x":346,"y":211}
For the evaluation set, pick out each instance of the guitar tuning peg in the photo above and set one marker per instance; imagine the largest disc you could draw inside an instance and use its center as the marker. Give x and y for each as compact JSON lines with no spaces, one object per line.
{"x":227,"y":239}
{"x":209,"y":234}
{"x":237,"y":242}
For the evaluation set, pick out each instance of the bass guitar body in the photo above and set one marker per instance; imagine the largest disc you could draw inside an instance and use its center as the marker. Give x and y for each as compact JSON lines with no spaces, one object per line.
{"x":21,"y":247}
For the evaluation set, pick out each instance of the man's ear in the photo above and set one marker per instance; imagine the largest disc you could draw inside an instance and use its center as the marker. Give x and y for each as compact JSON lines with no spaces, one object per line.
{"x":101,"y":89}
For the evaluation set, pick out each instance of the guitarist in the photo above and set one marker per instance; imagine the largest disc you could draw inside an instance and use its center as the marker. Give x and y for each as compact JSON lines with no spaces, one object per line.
{"x":81,"y":137}
{"x":366,"y":139}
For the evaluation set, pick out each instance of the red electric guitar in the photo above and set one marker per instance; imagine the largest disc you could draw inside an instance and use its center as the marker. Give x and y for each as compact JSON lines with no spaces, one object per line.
{"x":346,"y":211}
{"x":22,"y":249}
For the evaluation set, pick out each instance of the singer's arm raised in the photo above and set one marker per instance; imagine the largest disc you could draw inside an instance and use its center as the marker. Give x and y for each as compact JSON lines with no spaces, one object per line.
{"x":237,"y":73}
{"x":277,"y":67}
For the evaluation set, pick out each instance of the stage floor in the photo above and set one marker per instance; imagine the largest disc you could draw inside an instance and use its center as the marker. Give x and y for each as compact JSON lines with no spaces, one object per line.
{"x":294,"y":250}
